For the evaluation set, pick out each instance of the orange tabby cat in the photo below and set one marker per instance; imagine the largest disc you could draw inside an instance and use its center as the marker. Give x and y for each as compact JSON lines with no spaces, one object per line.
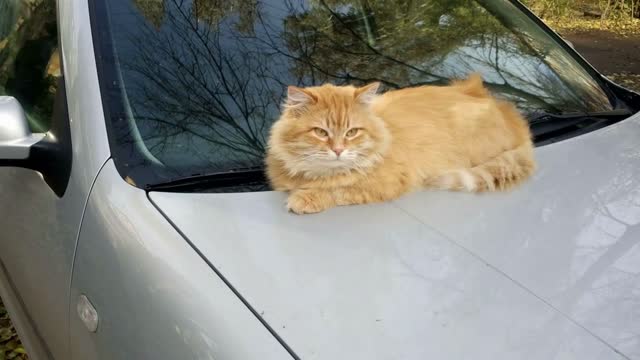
{"x":341,"y":145}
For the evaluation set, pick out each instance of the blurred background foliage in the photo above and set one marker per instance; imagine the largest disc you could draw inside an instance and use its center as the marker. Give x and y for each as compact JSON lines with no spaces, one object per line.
{"x":620,"y":16}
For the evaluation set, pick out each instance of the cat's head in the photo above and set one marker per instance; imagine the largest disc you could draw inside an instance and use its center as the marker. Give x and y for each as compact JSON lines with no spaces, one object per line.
{"x":328,"y":130}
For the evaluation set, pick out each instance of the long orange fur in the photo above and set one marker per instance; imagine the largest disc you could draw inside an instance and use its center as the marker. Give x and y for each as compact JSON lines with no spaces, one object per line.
{"x":455,"y":137}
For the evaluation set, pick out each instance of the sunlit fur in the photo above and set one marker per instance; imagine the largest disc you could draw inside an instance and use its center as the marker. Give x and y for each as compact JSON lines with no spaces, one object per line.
{"x":456,"y":137}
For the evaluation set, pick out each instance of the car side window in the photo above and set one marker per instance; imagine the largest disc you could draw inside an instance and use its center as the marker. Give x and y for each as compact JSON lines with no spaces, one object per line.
{"x":29,"y":57}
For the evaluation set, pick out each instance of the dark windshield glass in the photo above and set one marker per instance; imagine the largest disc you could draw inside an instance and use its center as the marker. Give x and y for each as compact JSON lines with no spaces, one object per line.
{"x":193,"y":86}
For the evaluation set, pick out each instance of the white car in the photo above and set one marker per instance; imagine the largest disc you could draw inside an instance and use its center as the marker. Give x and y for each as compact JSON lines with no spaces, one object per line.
{"x":136,"y":222}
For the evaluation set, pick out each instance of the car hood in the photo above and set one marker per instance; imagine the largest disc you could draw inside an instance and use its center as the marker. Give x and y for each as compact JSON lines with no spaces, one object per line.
{"x":549,"y":270}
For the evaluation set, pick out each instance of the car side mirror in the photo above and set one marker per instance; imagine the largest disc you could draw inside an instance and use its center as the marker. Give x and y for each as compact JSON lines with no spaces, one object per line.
{"x":16,"y":139}
{"x":47,"y":153}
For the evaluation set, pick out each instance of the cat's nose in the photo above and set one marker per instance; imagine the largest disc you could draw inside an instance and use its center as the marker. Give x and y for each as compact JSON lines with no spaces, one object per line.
{"x":338,"y":150}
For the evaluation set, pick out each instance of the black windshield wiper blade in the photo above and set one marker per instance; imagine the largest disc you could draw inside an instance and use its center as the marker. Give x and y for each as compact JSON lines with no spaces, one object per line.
{"x":236,"y":177}
{"x":543,"y":125}
{"x":537,"y":118}
{"x":547,"y":128}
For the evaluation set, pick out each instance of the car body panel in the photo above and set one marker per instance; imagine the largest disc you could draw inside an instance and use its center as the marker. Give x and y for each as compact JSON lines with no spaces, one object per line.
{"x":40,"y":229}
{"x":20,"y":319}
{"x":438,"y":274}
{"x":571,"y":236}
{"x":156,"y":298}
{"x":90,"y":141}
{"x":414,"y":278}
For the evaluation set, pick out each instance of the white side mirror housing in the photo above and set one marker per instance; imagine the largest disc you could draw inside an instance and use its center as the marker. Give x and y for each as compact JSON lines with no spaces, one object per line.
{"x":16,"y":138}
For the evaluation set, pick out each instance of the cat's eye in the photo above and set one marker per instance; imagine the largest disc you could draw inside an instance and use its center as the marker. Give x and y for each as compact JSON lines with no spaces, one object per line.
{"x":321,"y":132}
{"x":353,"y":132}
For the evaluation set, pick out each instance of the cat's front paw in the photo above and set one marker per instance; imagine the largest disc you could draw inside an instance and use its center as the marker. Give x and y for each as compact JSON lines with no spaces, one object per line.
{"x":306,"y":202}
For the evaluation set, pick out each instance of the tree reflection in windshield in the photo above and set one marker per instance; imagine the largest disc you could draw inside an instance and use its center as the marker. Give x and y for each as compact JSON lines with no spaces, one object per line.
{"x":204,"y":79}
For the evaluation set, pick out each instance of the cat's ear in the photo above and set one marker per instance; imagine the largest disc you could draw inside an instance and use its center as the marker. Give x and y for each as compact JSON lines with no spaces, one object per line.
{"x":298,"y":97}
{"x":367,"y":93}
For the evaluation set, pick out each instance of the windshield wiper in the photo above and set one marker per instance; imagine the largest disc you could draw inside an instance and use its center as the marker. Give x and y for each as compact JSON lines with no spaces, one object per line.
{"x":199,"y":182}
{"x":547,"y":128}
{"x":539,"y":117}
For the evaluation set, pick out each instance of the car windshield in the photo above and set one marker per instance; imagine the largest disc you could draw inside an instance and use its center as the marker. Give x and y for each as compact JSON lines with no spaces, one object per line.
{"x":192,"y":86}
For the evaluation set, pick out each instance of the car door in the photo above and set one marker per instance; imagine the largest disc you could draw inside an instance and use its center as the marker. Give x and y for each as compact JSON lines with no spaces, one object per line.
{"x":42,"y":198}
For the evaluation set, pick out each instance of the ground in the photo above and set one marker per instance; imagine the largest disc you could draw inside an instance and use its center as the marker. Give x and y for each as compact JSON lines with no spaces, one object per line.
{"x":613,"y":55}
{"x":10,"y":347}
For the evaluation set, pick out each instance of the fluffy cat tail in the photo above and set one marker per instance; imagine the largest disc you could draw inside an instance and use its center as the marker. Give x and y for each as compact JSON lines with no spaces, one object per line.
{"x":472,"y":86}
{"x":500,"y":173}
